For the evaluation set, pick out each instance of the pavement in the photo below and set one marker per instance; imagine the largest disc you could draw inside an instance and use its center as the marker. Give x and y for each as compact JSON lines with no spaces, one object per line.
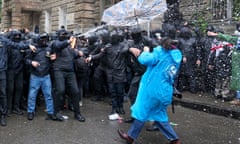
{"x":207,"y":103}
{"x":192,"y":126}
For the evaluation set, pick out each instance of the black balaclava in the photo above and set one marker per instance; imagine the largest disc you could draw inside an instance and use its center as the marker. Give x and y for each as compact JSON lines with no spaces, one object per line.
{"x":136,"y":35}
{"x":16,"y":36}
{"x":43,"y":40}
{"x":115,"y":39}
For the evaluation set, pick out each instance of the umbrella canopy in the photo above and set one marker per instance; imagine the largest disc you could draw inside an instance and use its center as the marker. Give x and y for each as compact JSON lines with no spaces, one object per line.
{"x":92,"y":31}
{"x":133,"y":12}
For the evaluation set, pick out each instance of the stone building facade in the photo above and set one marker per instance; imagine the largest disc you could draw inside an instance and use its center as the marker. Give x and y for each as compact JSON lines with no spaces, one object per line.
{"x":49,"y":15}
{"x":80,"y":15}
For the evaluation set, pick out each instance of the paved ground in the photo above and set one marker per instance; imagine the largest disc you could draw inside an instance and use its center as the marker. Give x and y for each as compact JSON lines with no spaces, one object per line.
{"x":193,"y":127}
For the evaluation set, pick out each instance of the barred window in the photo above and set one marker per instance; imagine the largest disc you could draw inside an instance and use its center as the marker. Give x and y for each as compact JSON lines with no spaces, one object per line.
{"x":221,"y":9}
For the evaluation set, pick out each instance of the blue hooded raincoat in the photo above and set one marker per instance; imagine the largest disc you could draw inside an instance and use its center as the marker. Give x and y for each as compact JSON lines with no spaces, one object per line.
{"x":156,"y":86}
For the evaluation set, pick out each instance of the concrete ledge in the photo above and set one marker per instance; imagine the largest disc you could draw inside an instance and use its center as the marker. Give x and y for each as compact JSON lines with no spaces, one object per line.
{"x":213,"y":109}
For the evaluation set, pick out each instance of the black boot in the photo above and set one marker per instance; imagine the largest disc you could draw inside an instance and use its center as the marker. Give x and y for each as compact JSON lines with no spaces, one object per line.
{"x":79,"y":117}
{"x":59,"y":117}
{"x":121,"y":110}
{"x":30,"y":116}
{"x":51,"y":117}
{"x":3,"y":120}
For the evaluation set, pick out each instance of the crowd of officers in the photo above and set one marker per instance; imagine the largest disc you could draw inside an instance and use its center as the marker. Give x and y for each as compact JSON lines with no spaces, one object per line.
{"x":64,"y":67}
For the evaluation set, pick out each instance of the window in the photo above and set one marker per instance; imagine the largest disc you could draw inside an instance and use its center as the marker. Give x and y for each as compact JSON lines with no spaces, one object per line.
{"x":48,"y":23}
{"x":221,"y":9}
{"x":63,"y":17}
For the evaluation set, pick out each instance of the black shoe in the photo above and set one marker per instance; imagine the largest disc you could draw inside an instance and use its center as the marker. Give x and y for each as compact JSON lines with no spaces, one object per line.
{"x":227,"y":99}
{"x":129,"y":120}
{"x":152,"y":128}
{"x":79,"y":117}
{"x":3,"y":120}
{"x":51,"y":117}
{"x":59,"y":117}
{"x":17,"y":111}
{"x":218,"y":96}
{"x":121,"y":111}
{"x":30,"y":116}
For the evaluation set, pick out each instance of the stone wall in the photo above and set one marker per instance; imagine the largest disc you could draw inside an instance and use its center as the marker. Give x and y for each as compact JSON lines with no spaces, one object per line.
{"x":16,"y":13}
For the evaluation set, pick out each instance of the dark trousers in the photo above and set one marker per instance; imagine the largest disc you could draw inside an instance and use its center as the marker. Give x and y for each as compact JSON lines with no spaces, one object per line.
{"x":99,"y":82}
{"x":133,"y":89}
{"x":116,"y":91}
{"x":3,"y":95}
{"x":66,"y":81}
{"x":14,"y":89}
{"x":81,"y":81}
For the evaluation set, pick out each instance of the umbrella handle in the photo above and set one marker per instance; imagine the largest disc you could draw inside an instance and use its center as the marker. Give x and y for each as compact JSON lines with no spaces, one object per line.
{"x":135,"y":15}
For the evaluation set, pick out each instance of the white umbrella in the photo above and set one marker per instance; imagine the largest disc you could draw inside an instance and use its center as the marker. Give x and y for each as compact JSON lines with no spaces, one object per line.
{"x":133,"y":12}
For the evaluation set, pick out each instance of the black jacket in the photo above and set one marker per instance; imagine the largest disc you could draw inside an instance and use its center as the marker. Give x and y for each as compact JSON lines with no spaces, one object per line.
{"x":41,"y":56}
{"x":5,"y":44}
{"x":115,"y":62}
{"x":15,"y":60}
{"x":132,"y":61}
{"x":65,"y":56}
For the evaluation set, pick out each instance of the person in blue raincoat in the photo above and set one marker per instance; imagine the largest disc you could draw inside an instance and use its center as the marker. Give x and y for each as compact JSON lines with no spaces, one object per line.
{"x":155,"y":91}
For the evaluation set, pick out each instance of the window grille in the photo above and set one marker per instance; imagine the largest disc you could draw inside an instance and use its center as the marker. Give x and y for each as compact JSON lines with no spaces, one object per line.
{"x":221,"y":9}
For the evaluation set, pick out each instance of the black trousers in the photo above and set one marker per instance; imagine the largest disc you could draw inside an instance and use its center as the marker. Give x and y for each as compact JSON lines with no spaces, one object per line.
{"x":3,"y":95}
{"x":66,"y":81}
{"x":14,"y":89}
{"x":99,"y":82}
{"x":133,"y":89}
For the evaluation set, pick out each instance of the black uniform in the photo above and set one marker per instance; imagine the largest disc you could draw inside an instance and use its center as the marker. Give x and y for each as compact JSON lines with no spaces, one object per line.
{"x":64,"y":76}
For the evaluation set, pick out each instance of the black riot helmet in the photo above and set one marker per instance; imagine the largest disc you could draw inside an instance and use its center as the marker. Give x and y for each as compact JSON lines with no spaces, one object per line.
{"x":136,"y":34}
{"x":91,"y":39}
{"x":185,"y":32}
{"x":104,"y":36}
{"x":41,"y":39}
{"x":44,"y":39}
{"x":63,"y":35}
{"x":15,"y":36}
